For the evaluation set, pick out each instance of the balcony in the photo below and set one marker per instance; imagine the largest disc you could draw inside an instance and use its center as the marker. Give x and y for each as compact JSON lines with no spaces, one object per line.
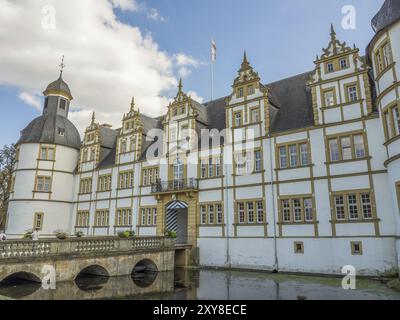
{"x":175,"y":186}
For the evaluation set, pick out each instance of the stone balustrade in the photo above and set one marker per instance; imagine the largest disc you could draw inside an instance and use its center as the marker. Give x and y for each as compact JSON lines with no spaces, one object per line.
{"x":80,"y":246}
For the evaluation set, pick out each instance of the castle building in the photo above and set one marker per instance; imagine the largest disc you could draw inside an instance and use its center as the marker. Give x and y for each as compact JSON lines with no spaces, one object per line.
{"x":302,"y":174}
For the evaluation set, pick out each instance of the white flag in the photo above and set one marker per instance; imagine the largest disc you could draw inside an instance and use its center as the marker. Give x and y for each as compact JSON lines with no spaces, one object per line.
{"x":213,"y":51}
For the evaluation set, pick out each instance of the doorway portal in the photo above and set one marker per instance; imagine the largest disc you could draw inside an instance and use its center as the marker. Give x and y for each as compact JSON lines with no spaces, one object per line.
{"x":177,"y":220}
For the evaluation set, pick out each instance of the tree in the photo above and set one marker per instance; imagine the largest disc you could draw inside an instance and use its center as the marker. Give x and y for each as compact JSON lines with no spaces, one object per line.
{"x":7,"y":162}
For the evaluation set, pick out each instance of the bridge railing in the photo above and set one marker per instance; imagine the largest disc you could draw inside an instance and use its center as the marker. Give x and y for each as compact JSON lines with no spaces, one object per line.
{"x":77,"y":246}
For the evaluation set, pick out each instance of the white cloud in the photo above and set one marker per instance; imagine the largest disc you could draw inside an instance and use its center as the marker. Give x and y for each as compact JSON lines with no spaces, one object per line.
{"x":183,"y":60}
{"x":107,"y":61}
{"x":31,"y":100}
{"x":126,"y":5}
{"x":153,"y":14}
{"x":195,"y":96}
{"x":184,"y":72}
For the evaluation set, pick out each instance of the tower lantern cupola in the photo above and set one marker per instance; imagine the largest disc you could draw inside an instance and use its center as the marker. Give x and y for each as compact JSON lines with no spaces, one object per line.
{"x":57,"y":96}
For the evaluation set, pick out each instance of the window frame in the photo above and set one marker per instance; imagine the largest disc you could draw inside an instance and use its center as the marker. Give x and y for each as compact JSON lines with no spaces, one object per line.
{"x":104,"y":216}
{"x":339,"y":138}
{"x":288,"y":155}
{"x":287,"y":209}
{"x":43,"y":180}
{"x":38,"y":217}
{"x":213,"y":217}
{"x":246,"y":221}
{"x":347,"y":87}
{"x":361,"y":217}
{"x":323,"y":97}
{"x":82,"y":216}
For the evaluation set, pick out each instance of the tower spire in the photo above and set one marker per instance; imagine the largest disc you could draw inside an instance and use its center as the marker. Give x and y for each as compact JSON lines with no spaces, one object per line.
{"x":93,"y":117}
{"x":180,"y":85}
{"x":133,"y":104}
{"x":62,"y":66}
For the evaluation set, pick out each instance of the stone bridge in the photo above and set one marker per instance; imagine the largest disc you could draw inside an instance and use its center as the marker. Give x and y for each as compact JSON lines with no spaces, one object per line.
{"x":109,"y":257}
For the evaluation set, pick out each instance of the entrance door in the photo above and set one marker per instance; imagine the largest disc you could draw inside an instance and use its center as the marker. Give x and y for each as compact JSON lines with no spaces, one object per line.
{"x":177,"y":220}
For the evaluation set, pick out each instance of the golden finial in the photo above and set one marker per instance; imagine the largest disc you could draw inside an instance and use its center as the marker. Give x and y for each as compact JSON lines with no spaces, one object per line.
{"x":62,"y":66}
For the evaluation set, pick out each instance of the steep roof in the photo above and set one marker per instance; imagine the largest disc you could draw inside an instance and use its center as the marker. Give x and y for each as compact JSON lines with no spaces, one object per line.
{"x":45,"y":129}
{"x":387,"y":15}
{"x":59,"y":85}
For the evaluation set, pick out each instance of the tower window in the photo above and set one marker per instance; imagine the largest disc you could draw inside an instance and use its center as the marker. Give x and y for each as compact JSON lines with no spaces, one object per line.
{"x":330,"y":67}
{"x":343,"y":63}
{"x":38,"y":221}
{"x":61,"y":132}
{"x":63,"y":104}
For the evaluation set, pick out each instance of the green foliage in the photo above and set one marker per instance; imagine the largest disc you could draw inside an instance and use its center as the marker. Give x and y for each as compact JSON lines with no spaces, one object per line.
{"x":129,"y":234}
{"x":7,"y":162}
{"x":27,"y":235}
{"x":79,"y":234}
{"x":170,"y":234}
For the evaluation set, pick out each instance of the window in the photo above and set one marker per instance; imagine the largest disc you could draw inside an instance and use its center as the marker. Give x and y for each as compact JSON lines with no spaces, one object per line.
{"x":210,"y":168}
{"x":359,"y":146}
{"x":47,"y":153}
{"x":299,"y":209}
{"x":348,"y":147}
{"x":125,"y":180}
{"x":123,"y":218}
{"x":356,"y":248}
{"x":38,"y":221}
{"x":217,"y":167}
{"x":298,"y":247}
{"x":211,"y":214}
{"x":184,"y":132}
{"x":148,"y":217}
{"x":102,"y":218}
{"x":238,"y":119}
{"x":133,"y":144}
{"x":250,"y":212}
{"x":240,"y":93}
{"x":345,"y":142}
{"x":353,"y":206}
{"x":61,"y":132}
{"x":248,"y":162}
{"x":330,"y":67}
{"x":203,"y":214}
{"x":304,"y":160}
{"x":250,"y":90}
{"x":63,"y":104}
{"x":352,"y":93}
{"x":183,"y":110}
{"x":203,"y":168}
{"x":104,"y":183}
{"x":255,"y":115}
{"x":82,"y":219}
{"x":366,"y":205}
{"x":286,"y":212}
{"x":283,"y":163}
{"x":391,"y":119}
{"x":85,"y":186}
{"x":383,"y":57}
{"x":258,"y":161}
{"x":149,"y":176}
{"x":343,"y":63}
{"x":339,"y":207}
{"x":85,"y":155}
{"x":43,"y":184}
{"x":329,"y":98}
{"x":308,"y":210}
{"x":123,"y":147}
{"x":175,"y":112}
{"x":294,"y":155}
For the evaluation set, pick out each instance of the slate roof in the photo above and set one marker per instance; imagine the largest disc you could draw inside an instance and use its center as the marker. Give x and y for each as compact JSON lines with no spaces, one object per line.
{"x":59,"y":85}
{"x":387,"y":15}
{"x":45,"y":129}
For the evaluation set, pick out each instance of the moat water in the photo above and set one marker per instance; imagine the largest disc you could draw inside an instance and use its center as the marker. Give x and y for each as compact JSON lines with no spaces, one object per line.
{"x":202,"y":285}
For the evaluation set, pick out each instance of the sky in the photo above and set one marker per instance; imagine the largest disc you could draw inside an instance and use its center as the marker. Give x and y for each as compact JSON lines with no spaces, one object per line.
{"x":116,"y":49}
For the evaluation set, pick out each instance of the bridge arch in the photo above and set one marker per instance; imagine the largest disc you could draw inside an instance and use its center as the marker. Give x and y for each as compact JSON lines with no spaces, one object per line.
{"x":93,"y":270}
{"x":18,"y":276}
{"x":145,"y":273}
{"x":145,"y":265}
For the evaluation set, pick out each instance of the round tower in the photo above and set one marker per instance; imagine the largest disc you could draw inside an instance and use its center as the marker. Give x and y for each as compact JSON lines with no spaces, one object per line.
{"x":384,"y":56}
{"x":43,"y":180}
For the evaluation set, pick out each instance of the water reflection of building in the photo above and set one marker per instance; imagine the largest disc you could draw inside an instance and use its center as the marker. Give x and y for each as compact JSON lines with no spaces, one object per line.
{"x":319,"y":190}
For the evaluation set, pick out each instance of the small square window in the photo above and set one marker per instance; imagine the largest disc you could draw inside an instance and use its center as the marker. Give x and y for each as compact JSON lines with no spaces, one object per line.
{"x":299,"y":247}
{"x":61,"y":132}
{"x":343,"y":63}
{"x":356,"y":248}
{"x":330,"y":67}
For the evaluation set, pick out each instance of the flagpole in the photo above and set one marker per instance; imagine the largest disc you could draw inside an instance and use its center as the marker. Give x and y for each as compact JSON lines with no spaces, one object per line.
{"x":212,"y":68}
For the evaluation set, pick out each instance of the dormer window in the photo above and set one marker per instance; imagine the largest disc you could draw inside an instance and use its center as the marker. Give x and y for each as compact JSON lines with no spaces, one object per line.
{"x":61,"y":132}
{"x":63,"y":104}
{"x":343,"y":63}
{"x":183,"y":110}
{"x":250,"y":90}
{"x":330,"y":67}
{"x":240,"y":93}
{"x":123,"y":146}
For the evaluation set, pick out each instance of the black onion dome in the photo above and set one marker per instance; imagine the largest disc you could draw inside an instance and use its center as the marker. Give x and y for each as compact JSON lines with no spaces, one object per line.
{"x":51,"y":129}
